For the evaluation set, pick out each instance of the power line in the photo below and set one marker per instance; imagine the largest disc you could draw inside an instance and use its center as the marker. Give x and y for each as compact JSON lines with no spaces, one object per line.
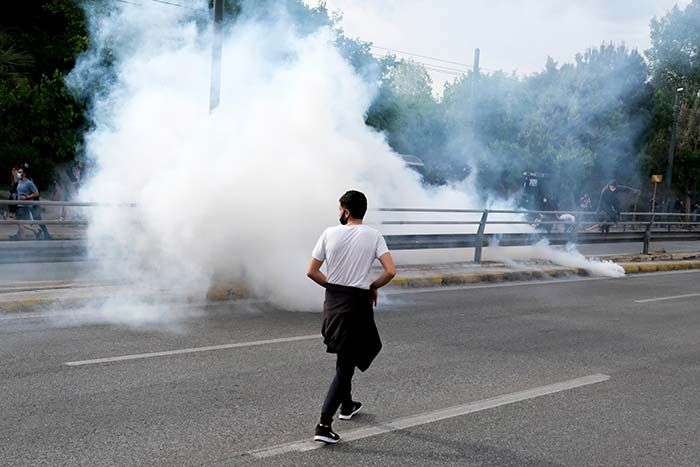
{"x":164,"y":2}
{"x":420,"y":56}
{"x":447,"y":72}
{"x":411,"y":54}
{"x":434,"y":67}
{"x":174,"y":4}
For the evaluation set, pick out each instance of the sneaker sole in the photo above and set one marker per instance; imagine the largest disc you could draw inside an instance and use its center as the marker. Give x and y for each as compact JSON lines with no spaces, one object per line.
{"x":348,"y":417}
{"x":325,"y":439}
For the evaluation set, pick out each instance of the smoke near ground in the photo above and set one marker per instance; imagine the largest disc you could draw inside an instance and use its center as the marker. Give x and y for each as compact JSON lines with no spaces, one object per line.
{"x":569,"y":257}
{"x":240,"y":194}
{"x":244,"y":192}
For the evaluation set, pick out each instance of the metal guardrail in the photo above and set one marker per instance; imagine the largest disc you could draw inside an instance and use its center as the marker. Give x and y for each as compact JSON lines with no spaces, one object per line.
{"x":689,"y":230}
{"x":480,"y":239}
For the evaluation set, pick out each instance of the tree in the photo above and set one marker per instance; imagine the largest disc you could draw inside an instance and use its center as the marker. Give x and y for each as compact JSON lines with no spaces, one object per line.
{"x":14,"y":64}
{"x":675,"y":41}
{"x":41,"y":122}
{"x":675,"y":62}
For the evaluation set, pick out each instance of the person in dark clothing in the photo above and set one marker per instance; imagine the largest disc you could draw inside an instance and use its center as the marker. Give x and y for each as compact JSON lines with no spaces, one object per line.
{"x":609,"y":204}
{"x":12,"y":208}
{"x":348,"y":327}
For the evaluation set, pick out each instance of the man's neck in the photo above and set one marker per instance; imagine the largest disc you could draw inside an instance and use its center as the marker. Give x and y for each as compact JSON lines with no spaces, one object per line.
{"x":352,"y":221}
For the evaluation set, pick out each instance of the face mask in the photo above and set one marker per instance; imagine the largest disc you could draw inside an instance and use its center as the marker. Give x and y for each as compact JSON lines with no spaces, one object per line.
{"x":19,"y":176}
{"x":343,"y":220}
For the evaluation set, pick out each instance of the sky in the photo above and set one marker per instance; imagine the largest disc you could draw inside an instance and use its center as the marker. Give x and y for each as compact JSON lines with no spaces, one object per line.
{"x":513,"y":35}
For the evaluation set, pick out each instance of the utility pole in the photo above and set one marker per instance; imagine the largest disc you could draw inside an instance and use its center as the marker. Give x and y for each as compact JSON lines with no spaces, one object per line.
{"x":472,"y":97}
{"x":475,"y":70}
{"x":672,"y":149}
{"x":215,"y":88}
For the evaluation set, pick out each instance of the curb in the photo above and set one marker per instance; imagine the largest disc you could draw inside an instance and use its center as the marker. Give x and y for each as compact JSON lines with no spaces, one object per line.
{"x":223,"y":292}
{"x":458,"y":279}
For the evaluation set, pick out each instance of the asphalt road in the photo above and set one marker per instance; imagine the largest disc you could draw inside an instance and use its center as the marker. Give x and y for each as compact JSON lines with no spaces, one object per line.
{"x":443,"y":348}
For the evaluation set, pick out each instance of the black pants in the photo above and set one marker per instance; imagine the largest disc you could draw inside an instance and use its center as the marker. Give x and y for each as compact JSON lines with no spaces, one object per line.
{"x":340,"y":390}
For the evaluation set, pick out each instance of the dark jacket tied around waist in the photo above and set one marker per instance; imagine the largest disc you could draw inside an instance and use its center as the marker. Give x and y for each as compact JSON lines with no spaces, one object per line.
{"x":348,"y":324}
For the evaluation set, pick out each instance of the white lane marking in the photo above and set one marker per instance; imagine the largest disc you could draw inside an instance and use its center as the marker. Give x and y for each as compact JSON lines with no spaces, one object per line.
{"x":210,"y":348}
{"x":430,"y":417}
{"x":672,"y":297}
{"x":94,"y":312}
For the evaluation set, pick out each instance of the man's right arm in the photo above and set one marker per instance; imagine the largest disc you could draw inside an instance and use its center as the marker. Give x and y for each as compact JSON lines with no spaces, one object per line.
{"x":317,"y":257}
{"x":314,"y":273}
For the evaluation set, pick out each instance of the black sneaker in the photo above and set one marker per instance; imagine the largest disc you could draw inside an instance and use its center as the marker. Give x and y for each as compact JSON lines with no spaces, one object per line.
{"x":347,"y":413}
{"x":325,"y":434}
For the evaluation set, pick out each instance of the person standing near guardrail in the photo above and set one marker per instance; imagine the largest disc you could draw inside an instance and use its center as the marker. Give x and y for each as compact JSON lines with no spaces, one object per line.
{"x":12,"y":208}
{"x":348,"y":317}
{"x":27,"y":191}
{"x":609,"y":204}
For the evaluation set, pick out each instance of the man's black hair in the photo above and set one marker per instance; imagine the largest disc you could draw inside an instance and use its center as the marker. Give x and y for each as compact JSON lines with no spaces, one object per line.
{"x":355,"y":202}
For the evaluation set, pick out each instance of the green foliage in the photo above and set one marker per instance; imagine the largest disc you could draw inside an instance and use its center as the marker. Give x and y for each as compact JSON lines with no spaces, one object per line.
{"x":607,"y":114}
{"x":686,"y":171}
{"x":675,"y":40}
{"x":40,"y":121}
{"x":14,"y":64}
{"x":675,"y":62}
{"x":583,"y":123}
{"x":39,"y":124}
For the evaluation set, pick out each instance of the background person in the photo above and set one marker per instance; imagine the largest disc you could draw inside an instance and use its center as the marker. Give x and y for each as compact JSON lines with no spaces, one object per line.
{"x":27,"y":191}
{"x":12,"y":208}
{"x":610,"y":202}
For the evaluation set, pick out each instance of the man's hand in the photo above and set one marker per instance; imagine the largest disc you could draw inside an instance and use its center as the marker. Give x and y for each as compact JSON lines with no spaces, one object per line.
{"x":385,"y":278}
{"x":373,"y":294}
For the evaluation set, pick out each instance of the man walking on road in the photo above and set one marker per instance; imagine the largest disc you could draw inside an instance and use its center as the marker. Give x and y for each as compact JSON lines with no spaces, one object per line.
{"x":27,"y":190}
{"x":348,"y":317}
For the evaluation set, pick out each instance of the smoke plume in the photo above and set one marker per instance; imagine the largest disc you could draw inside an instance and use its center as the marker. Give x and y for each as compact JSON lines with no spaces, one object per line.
{"x":241,"y":193}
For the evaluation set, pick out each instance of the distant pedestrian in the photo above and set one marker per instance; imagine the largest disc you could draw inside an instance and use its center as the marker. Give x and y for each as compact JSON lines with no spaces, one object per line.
{"x":11,"y":211}
{"x":348,"y":317}
{"x":609,"y":204}
{"x":27,"y":191}
{"x":584,"y":202}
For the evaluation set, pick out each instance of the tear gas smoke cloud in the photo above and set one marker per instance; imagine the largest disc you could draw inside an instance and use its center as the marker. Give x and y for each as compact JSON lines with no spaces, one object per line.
{"x":244,"y":192}
{"x":568,"y":257}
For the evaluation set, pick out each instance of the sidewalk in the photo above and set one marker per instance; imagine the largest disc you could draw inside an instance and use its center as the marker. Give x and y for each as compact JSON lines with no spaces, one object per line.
{"x":40,"y":295}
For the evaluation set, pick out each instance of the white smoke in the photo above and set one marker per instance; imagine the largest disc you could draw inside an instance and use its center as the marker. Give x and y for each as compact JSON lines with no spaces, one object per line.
{"x":244,"y":192}
{"x":569,"y":257}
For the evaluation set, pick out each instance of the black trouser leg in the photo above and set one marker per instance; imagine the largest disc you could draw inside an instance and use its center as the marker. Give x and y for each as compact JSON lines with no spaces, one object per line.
{"x":340,"y":391}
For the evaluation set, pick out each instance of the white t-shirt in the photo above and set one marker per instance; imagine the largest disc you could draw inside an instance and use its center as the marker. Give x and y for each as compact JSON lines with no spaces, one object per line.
{"x":349,"y":251}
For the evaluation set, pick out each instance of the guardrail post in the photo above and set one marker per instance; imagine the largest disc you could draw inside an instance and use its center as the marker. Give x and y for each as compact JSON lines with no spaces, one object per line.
{"x":480,"y":237}
{"x":647,"y":237}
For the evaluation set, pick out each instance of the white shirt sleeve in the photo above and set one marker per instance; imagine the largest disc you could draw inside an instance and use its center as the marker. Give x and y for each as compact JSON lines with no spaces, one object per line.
{"x":381,"y":246}
{"x":319,"y":251}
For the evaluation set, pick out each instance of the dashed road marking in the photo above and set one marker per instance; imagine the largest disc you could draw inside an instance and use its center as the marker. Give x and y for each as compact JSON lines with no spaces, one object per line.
{"x":209,"y":348}
{"x":435,"y":416}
